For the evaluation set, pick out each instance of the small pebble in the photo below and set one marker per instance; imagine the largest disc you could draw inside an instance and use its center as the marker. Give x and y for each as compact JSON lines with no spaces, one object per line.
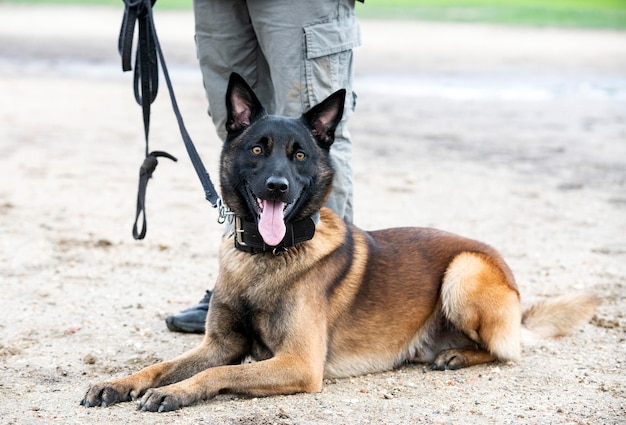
{"x":89,"y":359}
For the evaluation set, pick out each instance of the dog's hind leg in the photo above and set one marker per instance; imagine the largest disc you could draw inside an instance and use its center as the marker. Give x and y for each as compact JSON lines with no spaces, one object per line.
{"x":479,"y":298}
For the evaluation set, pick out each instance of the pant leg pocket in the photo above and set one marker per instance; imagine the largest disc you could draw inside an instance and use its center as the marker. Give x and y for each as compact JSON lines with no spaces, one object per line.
{"x":328,"y":57}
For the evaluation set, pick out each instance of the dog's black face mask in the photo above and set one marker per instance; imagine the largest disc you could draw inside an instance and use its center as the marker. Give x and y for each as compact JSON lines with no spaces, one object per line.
{"x":274,"y":169}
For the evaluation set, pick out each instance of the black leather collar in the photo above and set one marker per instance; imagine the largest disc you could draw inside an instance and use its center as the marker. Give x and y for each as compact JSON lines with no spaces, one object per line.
{"x":248,"y":239}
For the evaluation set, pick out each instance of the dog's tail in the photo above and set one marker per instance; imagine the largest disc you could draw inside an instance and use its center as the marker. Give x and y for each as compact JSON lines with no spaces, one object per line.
{"x":557,"y":316}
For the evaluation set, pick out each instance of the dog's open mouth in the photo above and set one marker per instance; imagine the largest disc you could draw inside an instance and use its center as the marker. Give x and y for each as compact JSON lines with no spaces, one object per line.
{"x":271,"y":216}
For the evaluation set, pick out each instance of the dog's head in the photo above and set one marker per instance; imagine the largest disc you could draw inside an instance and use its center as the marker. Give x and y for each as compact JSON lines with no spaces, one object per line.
{"x":275,"y":170}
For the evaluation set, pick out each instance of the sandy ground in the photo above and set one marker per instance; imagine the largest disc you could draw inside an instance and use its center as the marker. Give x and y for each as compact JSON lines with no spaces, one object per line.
{"x":515,"y":136}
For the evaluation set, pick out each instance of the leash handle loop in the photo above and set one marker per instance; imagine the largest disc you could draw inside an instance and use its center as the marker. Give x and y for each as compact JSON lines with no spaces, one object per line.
{"x":145,"y":173}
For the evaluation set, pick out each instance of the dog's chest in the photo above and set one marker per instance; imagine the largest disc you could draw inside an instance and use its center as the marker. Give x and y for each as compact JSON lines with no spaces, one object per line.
{"x":264,"y":323}
{"x":261,"y":290}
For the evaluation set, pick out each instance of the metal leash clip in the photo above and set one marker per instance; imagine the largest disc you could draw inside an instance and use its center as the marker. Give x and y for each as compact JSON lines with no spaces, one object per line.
{"x":224,"y":213}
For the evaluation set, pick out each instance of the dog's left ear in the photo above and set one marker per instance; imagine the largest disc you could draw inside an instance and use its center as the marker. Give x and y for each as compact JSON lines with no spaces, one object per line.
{"x":242,"y":105}
{"x":324,"y":117}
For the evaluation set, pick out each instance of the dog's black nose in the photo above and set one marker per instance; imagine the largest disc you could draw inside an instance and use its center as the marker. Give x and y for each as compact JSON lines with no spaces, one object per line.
{"x":277,"y":184}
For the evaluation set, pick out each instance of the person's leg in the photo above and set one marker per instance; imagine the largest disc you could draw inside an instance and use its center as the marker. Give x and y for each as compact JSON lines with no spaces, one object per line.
{"x":225,"y":42}
{"x":308,"y":46}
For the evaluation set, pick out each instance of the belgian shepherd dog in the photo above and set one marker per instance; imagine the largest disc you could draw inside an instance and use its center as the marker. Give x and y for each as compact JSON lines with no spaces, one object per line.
{"x":308,"y":296}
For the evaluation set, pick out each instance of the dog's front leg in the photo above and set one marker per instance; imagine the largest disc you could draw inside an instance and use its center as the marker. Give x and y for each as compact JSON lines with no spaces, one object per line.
{"x":283,"y":374}
{"x":128,"y":388}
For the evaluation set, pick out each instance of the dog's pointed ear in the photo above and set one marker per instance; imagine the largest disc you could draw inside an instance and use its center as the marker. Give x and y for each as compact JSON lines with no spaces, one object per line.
{"x":242,"y":105}
{"x":324,"y":118}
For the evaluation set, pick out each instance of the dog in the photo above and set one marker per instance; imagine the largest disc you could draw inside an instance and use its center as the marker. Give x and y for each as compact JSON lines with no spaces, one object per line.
{"x":308,"y":296}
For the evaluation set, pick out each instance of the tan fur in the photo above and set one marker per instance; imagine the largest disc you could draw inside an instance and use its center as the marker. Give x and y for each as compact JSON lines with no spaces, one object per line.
{"x":478,"y":299}
{"x":559,"y":316}
{"x":345,"y":303}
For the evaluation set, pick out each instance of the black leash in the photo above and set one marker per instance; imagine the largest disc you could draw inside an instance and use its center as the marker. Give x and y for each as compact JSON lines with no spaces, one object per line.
{"x":146,"y":85}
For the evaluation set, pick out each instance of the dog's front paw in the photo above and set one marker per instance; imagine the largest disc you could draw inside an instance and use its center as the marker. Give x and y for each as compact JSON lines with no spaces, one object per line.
{"x":163,"y":399}
{"x":105,"y":394}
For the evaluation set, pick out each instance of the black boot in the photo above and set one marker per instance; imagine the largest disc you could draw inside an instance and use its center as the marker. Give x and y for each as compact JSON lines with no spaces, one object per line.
{"x":191,"y":320}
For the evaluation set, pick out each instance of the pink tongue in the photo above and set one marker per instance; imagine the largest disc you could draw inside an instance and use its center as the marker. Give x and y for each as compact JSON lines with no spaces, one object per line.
{"x":271,"y":223}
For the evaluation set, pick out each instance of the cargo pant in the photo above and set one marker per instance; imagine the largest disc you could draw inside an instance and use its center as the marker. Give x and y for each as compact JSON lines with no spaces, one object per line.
{"x":293,"y":53}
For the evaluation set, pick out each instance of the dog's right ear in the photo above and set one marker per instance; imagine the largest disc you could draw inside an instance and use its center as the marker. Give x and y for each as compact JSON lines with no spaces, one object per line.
{"x":242,"y":105}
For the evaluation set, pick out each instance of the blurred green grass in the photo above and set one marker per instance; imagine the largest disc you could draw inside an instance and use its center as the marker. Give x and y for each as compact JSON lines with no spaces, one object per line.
{"x":559,"y":13}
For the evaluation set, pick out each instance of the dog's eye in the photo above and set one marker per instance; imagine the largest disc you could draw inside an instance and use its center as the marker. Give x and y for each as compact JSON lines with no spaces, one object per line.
{"x":299,"y":156}
{"x":257,"y":150}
